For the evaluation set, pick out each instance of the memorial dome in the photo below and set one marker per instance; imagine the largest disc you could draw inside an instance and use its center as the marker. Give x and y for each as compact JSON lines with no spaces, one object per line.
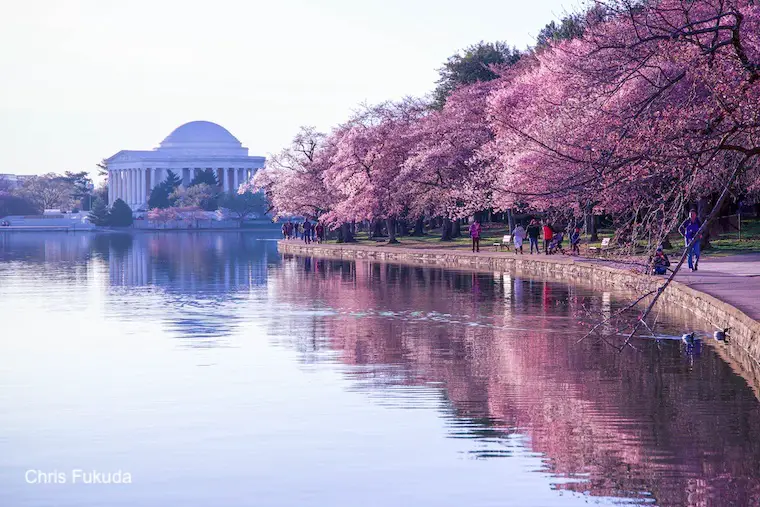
{"x":200,"y":134}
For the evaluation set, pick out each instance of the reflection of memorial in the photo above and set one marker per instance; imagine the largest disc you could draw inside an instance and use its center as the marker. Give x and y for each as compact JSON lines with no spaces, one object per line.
{"x":191,"y":282}
{"x":42,"y":247}
{"x":502,"y":350}
{"x":194,"y":279}
{"x":191,"y":262}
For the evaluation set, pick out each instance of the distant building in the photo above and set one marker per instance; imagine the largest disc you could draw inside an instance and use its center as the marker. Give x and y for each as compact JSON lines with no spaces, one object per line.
{"x":189,"y":149}
{"x":14,"y":180}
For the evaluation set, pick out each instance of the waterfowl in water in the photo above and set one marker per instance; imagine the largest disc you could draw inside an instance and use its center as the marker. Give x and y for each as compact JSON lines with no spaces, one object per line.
{"x":689,"y":338}
{"x":721,"y":335}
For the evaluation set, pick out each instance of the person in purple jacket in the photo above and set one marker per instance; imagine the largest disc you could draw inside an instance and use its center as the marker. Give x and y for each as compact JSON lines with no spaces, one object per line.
{"x":475,"y":235}
{"x":689,"y":229}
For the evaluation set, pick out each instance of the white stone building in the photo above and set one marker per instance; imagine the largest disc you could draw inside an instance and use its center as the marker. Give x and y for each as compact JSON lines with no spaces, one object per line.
{"x":14,"y":180}
{"x":189,"y":149}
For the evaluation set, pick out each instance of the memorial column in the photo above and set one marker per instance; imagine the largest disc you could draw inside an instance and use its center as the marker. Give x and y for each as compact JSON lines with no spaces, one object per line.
{"x":141,"y":200}
{"x":132,"y":187}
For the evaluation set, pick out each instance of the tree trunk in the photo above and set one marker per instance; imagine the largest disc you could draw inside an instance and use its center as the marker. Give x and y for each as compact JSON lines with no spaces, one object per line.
{"x":344,"y":233}
{"x":446,"y":229}
{"x":703,"y":205}
{"x":377,"y":228}
{"x":591,"y":224}
{"x":391,"y":224}
{"x":510,"y":220}
{"x":419,"y":227}
{"x":457,"y":230}
{"x":403,"y":228}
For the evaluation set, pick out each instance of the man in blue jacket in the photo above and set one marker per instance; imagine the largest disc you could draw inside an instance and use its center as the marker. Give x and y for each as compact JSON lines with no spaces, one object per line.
{"x":688,"y":230}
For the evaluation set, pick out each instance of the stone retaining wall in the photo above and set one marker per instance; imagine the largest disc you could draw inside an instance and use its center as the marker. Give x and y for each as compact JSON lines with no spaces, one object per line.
{"x":743,"y":351}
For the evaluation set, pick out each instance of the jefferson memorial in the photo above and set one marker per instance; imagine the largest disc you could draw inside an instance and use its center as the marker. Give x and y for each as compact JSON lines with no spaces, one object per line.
{"x":189,"y":149}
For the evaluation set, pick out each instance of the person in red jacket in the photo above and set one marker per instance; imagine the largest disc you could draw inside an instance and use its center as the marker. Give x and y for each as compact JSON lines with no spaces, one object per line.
{"x":320,"y":229}
{"x":548,"y":235}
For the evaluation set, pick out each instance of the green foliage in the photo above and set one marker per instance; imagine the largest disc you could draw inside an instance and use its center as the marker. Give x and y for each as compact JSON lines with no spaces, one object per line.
{"x":206,"y":176}
{"x":101,"y":192}
{"x":172,"y":181}
{"x":102,"y":168}
{"x":159,"y":197}
{"x":80,"y":182}
{"x":160,"y":194}
{"x":202,"y":195}
{"x":121,"y":214}
{"x":16,"y":205}
{"x":472,"y":65}
{"x":572,"y":26}
{"x":49,"y":191}
{"x":99,"y":214}
{"x":242,"y":206}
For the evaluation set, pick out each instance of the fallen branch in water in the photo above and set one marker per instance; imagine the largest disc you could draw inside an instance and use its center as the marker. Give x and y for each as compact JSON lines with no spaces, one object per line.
{"x":617,"y":313}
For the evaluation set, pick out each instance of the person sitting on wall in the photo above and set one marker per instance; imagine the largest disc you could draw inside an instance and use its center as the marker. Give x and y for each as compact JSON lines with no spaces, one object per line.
{"x":660,"y":262}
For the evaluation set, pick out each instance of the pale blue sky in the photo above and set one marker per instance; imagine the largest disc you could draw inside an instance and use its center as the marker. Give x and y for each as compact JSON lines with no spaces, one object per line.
{"x":82,"y":79}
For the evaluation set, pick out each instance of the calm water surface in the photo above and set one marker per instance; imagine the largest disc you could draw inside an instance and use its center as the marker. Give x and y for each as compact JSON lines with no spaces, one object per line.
{"x":219,"y":373}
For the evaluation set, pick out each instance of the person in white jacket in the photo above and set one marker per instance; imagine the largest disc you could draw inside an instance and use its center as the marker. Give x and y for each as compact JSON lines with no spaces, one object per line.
{"x":519,"y":236}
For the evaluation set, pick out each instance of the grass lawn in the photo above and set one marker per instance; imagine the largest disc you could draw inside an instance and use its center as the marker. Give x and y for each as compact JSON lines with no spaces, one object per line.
{"x":727,"y":244}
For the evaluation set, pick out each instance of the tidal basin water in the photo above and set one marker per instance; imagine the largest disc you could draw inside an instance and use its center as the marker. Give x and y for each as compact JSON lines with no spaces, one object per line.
{"x":217,"y":372}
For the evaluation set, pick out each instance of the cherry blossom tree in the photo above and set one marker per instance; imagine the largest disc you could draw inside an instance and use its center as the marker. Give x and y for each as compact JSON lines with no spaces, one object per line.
{"x":162,"y":215}
{"x":443,"y":174}
{"x":653,"y":108}
{"x":293,"y":179}
{"x":370,"y":151}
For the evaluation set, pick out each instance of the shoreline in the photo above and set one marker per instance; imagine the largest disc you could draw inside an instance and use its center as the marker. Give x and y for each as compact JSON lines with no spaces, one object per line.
{"x":742,"y":351}
{"x":129,"y":230}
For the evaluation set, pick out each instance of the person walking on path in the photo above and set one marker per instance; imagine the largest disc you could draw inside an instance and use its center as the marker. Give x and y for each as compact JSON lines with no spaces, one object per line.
{"x":475,"y":235}
{"x":575,"y":242}
{"x":307,"y":231}
{"x":548,"y":235}
{"x":519,"y":235}
{"x":688,"y":230}
{"x":533,"y":232}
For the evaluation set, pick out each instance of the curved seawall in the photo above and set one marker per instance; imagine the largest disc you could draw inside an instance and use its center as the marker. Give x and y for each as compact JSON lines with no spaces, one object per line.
{"x":742,"y":352}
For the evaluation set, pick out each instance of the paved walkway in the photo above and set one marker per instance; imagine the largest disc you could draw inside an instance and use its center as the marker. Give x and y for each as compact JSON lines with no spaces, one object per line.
{"x":734,"y":279}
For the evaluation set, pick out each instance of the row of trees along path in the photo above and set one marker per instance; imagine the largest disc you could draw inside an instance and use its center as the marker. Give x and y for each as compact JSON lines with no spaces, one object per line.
{"x":640,"y":110}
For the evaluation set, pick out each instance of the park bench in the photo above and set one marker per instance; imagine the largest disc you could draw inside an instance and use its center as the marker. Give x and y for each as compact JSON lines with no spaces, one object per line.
{"x":506,"y":242}
{"x":600,"y":249}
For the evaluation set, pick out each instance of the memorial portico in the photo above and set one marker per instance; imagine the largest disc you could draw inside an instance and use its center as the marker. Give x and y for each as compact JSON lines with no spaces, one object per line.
{"x":188,"y":150}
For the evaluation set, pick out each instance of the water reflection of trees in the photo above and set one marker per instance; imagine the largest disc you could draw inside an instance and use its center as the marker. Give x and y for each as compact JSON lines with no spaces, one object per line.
{"x":503,"y":349}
